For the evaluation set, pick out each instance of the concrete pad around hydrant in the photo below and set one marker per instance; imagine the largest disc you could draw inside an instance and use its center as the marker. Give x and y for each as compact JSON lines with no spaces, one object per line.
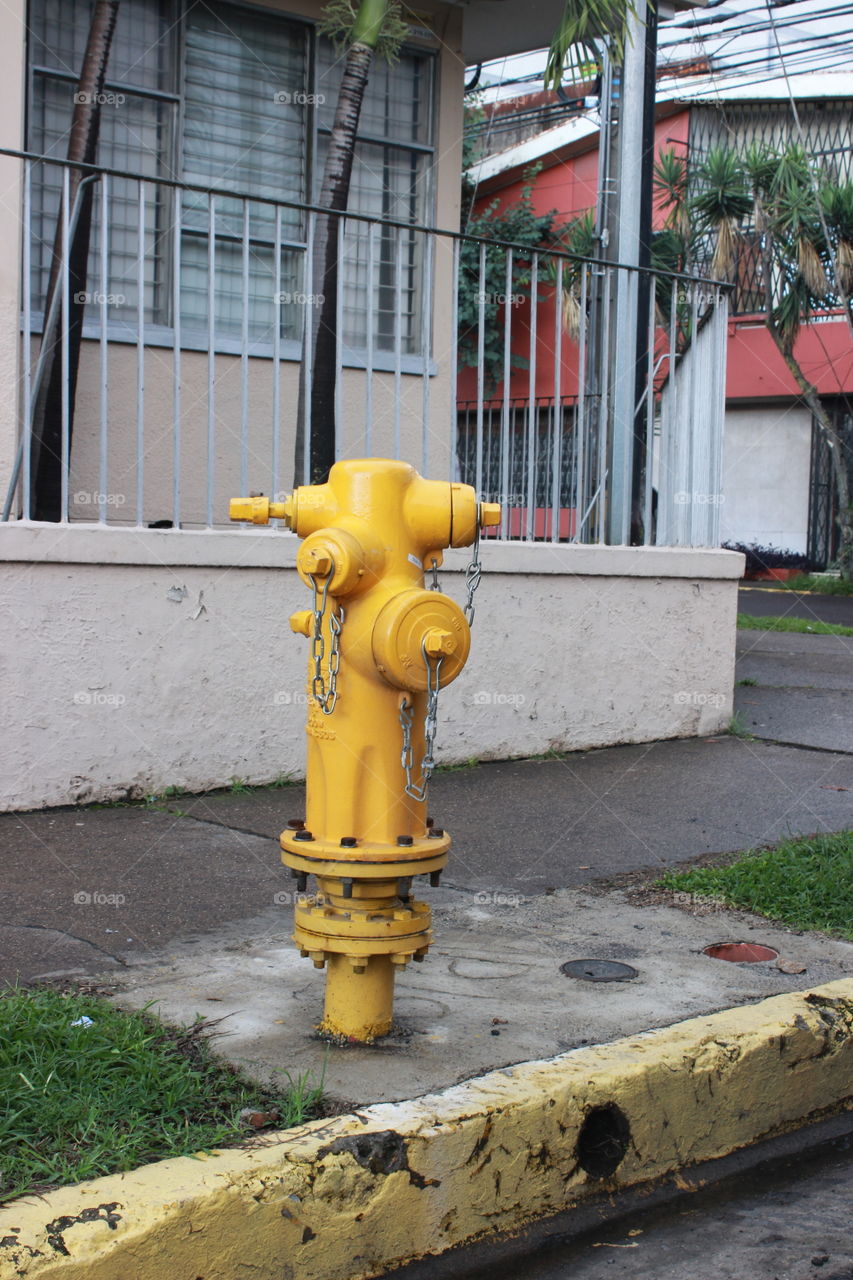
{"x":348,"y":1198}
{"x":490,"y":993}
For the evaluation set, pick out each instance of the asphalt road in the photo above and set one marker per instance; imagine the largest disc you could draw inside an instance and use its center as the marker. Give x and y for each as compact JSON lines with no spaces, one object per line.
{"x":763,"y":602}
{"x":791,"y":1222}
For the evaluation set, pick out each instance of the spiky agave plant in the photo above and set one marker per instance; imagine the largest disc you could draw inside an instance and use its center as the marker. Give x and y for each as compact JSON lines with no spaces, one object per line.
{"x":793,"y":195}
{"x":670,"y":185}
{"x":837,"y":202}
{"x":721,"y":203}
{"x":578,"y":239}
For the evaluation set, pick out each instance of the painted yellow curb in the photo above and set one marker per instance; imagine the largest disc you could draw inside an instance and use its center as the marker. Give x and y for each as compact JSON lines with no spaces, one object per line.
{"x":347,"y":1198}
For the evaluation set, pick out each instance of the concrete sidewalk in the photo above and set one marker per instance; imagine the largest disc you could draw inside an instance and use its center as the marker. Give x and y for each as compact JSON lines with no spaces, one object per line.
{"x":186,"y":903}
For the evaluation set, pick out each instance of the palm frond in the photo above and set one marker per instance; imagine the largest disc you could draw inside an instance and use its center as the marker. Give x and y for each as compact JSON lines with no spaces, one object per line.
{"x":376,"y":23}
{"x":584,"y":22}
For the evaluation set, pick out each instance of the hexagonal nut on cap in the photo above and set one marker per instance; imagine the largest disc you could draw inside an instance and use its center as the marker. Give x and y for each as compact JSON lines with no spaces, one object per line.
{"x":437,"y":642}
{"x":490,"y":514}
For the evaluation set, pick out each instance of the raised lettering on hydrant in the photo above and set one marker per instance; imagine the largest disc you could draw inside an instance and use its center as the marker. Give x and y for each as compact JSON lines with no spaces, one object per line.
{"x":381,"y":648}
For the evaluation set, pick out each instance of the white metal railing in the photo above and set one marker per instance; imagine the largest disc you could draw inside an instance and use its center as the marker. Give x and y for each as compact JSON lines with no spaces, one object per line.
{"x":455,"y":353}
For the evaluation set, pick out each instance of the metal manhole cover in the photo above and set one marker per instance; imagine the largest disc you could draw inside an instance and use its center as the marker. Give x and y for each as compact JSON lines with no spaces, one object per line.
{"x":598,"y":970}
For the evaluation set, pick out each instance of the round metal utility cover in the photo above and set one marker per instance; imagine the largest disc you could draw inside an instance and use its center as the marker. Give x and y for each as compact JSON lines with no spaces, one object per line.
{"x":598,"y":970}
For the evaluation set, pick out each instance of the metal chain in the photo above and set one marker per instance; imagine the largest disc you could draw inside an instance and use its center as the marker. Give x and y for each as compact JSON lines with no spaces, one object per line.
{"x":418,"y":790}
{"x":325,"y":697}
{"x":473,"y":574}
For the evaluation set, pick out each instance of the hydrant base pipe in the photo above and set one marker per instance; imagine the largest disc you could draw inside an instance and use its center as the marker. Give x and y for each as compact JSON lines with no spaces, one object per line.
{"x":359,"y":1006}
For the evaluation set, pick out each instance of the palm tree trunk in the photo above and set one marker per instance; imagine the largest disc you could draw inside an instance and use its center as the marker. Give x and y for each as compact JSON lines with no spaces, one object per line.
{"x":321,"y":320}
{"x":46,"y":444}
{"x":810,"y":396}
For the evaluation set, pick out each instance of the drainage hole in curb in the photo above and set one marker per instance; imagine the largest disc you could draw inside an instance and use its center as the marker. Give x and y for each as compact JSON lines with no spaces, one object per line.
{"x":603,"y":1141}
{"x":741,"y":952}
{"x":598,"y":970}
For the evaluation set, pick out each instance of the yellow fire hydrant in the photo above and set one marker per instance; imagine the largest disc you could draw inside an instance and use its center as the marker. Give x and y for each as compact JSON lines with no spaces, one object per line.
{"x":381,"y":648}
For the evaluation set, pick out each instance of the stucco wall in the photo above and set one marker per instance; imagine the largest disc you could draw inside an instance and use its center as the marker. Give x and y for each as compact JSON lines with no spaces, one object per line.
{"x":766,"y":476}
{"x":172,"y":664}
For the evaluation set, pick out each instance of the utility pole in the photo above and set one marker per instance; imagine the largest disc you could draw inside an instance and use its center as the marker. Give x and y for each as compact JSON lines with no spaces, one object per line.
{"x":627,"y":156}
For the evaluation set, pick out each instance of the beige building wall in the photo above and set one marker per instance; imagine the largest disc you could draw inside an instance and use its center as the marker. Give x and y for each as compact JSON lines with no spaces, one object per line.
{"x":140,"y":660}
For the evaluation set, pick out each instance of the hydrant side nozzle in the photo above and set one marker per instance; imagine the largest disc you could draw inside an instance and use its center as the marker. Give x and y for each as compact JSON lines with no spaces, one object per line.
{"x":259,"y":510}
{"x":302,"y":622}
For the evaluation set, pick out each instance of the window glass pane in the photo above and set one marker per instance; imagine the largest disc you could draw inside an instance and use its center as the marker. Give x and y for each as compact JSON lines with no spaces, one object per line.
{"x":387,"y":183}
{"x":245,"y":122}
{"x":132,"y":135}
{"x":237,"y":277}
{"x":397,"y":101}
{"x":140,"y":54}
{"x":245,"y":129}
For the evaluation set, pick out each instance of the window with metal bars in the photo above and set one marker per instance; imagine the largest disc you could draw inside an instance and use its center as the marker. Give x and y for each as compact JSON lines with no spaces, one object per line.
{"x":232,"y":99}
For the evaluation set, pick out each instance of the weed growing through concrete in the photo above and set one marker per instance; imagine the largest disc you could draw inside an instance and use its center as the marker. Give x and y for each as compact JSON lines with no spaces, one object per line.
{"x":90,"y":1090}
{"x":805,"y":883}
{"x":738,"y":727}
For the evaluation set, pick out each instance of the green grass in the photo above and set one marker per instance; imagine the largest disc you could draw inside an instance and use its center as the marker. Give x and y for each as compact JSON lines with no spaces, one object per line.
{"x":81,"y":1101}
{"x":747,"y":622}
{"x":747,"y":681}
{"x":804,"y":883}
{"x":817,"y":582}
